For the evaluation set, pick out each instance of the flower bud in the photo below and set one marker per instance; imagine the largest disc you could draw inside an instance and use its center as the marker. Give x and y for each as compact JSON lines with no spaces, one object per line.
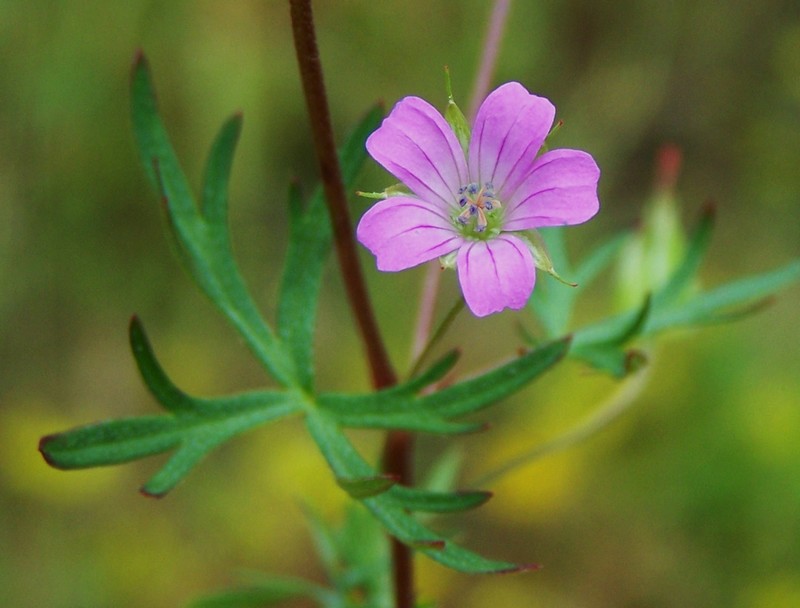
{"x":652,"y":254}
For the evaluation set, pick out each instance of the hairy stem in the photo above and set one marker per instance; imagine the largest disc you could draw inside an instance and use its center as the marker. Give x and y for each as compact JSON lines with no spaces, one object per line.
{"x":491,"y":47}
{"x":427,"y":307}
{"x":330,"y":173}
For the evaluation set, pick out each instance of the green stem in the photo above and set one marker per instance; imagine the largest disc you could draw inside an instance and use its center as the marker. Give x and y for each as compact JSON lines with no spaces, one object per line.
{"x":616,"y":405}
{"x":437,"y":335}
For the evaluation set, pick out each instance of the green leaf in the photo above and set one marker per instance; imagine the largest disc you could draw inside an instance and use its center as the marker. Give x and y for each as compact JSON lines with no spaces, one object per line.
{"x":218,"y":173}
{"x":161,"y":387}
{"x":726,"y":302}
{"x":480,"y":392}
{"x":553,"y":301}
{"x":195,"y":426}
{"x":602,"y":345}
{"x":183,"y":460}
{"x":437,"y":502}
{"x":414,"y":420}
{"x":685,"y":273}
{"x":355,"y":555}
{"x":309,"y":245}
{"x":325,"y":542}
{"x":610,"y":358}
{"x":211,"y":422}
{"x":110,"y":442}
{"x":346,"y":462}
{"x":434,"y":373}
{"x":202,"y":240}
{"x":266,"y":593}
{"x":363,"y":487}
{"x":399,"y":407}
{"x":154,"y":145}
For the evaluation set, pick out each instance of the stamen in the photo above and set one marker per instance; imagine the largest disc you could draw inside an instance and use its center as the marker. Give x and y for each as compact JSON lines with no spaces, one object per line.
{"x":478,"y":202}
{"x":466,"y":214}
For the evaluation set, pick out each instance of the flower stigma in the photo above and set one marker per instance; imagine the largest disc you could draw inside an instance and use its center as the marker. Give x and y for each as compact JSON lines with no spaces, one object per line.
{"x":479,"y":210}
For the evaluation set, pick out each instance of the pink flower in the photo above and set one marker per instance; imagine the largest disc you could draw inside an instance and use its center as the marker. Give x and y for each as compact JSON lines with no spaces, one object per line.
{"x":475,"y":206}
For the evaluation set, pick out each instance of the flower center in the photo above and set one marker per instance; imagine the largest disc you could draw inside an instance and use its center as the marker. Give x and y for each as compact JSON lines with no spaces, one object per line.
{"x":480,"y":210}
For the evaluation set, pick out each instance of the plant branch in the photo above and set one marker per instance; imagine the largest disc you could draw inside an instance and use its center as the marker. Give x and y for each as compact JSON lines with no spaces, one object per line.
{"x":427,"y":307}
{"x":305,"y":43}
{"x":606,"y":413}
{"x":398,"y":459}
{"x":398,"y":449}
{"x":491,"y":47}
{"x":435,"y":337}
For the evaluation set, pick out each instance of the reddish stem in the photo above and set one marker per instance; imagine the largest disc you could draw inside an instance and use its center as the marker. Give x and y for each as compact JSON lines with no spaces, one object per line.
{"x":398,"y":460}
{"x":491,"y":48}
{"x":317,"y":102}
{"x":398,"y":449}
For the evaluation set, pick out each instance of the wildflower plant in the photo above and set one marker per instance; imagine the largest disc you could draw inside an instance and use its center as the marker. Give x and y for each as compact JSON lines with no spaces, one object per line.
{"x":473,"y":197}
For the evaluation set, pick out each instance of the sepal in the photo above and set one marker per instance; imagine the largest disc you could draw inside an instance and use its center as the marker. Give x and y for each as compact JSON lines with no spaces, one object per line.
{"x":541,"y":257}
{"x":398,"y":189}
{"x":455,"y":117}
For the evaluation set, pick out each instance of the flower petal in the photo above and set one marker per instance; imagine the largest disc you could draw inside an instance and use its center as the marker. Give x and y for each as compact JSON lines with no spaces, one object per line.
{"x":561,"y":190}
{"x":496,"y":274}
{"x":416,"y":145}
{"x":509,"y":129}
{"x":403,"y":231}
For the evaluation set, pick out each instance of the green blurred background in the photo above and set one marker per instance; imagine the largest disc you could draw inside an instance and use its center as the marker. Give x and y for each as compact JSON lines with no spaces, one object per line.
{"x":692,"y":500}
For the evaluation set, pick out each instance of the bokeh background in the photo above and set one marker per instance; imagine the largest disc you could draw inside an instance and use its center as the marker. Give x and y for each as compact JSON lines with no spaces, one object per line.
{"x":693,"y":499}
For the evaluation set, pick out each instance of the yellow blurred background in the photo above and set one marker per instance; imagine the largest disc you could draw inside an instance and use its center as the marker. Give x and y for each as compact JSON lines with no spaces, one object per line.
{"x":691,"y":500}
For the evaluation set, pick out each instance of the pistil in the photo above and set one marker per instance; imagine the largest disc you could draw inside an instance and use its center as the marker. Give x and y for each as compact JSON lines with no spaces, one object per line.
{"x":476,"y":202}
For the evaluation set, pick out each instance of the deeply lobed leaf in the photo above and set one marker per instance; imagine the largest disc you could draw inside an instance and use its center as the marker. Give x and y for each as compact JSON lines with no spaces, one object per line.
{"x":309,"y":245}
{"x":603,"y":344}
{"x":268,"y":592}
{"x":195,"y":426}
{"x":202,"y":240}
{"x":398,"y":406}
{"x":346,"y":462}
